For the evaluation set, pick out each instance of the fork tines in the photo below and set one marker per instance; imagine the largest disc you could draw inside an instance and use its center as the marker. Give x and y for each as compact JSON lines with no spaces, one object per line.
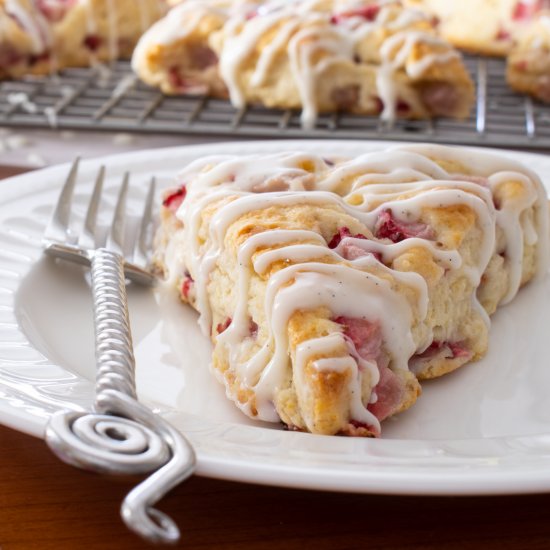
{"x":133,"y":243}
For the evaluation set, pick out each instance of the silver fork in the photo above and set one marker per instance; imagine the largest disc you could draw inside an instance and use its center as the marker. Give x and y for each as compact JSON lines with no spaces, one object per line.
{"x":119,"y":436}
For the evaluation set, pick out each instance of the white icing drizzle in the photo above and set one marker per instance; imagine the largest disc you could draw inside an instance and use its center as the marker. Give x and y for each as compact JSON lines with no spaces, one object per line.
{"x":395,"y":53}
{"x":327,"y":345}
{"x":488,"y":165}
{"x":91,"y":23}
{"x":241,"y":40}
{"x":303,"y":30}
{"x":310,"y":275}
{"x":510,"y":220}
{"x":112,"y":22}
{"x":360,"y":294}
{"x":33,"y":22}
{"x":413,"y":163}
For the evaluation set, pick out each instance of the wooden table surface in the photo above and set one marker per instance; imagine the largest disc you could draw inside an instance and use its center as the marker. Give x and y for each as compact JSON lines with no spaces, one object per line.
{"x":45,"y":504}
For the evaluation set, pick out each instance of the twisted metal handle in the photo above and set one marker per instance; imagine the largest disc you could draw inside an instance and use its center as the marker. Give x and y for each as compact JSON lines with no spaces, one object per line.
{"x":122,"y":436}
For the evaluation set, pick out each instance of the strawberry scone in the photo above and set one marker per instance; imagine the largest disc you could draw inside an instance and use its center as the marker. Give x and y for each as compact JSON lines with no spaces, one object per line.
{"x":175,"y":54}
{"x":102,"y":30}
{"x":490,"y":27}
{"x":25,"y":39}
{"x":374,"y":57}
{"x":528,"y":69}
{"x":329,"y":288}
{"x":42,"y":36}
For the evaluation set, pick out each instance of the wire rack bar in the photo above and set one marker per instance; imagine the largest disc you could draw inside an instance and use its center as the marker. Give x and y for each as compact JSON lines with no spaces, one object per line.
{"x":114,"y":100}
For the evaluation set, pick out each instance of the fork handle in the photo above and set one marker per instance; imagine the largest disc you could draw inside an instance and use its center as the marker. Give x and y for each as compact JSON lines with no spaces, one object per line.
{"x":121,"y":435}
{"x":114,"y":350}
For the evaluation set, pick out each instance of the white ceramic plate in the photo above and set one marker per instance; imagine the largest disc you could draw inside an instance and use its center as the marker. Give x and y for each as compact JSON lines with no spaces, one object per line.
{"x":482,"y":430}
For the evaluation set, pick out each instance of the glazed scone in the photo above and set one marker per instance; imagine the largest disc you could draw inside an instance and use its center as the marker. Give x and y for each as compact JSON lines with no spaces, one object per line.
{"x":489,"y":27}
{"x":328,"y":288}
{"x":317,"y":55}
{"x":361,"y":57}
{"x":175,"y":55}
{"x":528,"y":67}
{"x":42,"y":36}
{"x":103,"y":30}
{"x":25,"y":39}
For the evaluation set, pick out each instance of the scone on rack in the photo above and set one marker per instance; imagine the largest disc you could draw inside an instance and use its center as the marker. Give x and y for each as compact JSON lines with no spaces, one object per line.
{"x":321,"y":56}
{"x":25,"y":39}
{"x":528,"y":68}
{"x":42,"y":36}
{"x":488,"y":27}
{"x":329,"y":288}
{"x":175,"y":54}
{"x":103,"y":30}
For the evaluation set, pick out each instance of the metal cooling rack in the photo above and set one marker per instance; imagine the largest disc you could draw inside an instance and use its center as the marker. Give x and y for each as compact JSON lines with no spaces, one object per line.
{"x":114,"y":100}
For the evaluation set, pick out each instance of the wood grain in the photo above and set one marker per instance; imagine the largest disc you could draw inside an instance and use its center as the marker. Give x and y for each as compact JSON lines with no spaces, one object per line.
{"x":45,"y":504}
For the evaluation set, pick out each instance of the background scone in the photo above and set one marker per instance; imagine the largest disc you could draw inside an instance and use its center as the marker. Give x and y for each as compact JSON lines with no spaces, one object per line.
{"x":327,"y":287}
{"x":528,"y":68}
{"x":318,"y":55}
{"x":42,"y":36}
{"x":489,"y":27}
{"x":103,"y":30}
{"x":176,"y":56}
{"x":25,"y":39}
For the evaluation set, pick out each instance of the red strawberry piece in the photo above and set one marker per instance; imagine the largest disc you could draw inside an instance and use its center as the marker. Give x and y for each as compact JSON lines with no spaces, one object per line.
{"x":54,"y":10}
{"x":403,"y":107}
{"x":459,"y":350}
{"x":35,"y":59}
{"x":440,"y":98}
{"x":9,"y":56}
{"x":353,"y":252}
{"x":92,"y":42}
{"x":503,"y":34}
{"x":521,"y":65}
{"x":185,"y":85}
{"x":389,"y":392}
{"x":187,"y":285}
{"x":350,"y":251}
{"x":387,"y":227}
{"x":369,"y":13}
{"x":202,"y":57}
{"x":379,"y":104}
{"x":253,"y":328}
{"x":174,"y":199}
{"x":222,"y":327}
{"x":343,"y":232}
{"x":174,"y":76}
{"x":365,"y":335}
{"x":367,"y":339}
{"x":526,"y":10}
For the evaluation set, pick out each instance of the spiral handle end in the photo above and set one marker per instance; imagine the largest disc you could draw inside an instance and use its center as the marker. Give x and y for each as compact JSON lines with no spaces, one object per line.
{"x":149,"y":523}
